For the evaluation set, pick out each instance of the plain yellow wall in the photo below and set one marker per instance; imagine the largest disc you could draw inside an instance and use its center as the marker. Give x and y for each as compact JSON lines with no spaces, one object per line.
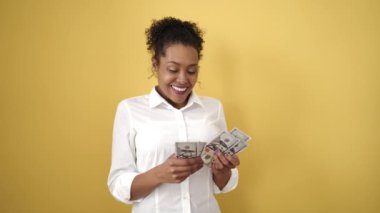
{"x":300,"y":76}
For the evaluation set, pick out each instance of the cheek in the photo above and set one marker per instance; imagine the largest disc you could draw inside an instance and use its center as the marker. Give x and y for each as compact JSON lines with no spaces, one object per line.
{"x":193,"y":79}
{"x":169,"y":79}
{"x":164,"y":79}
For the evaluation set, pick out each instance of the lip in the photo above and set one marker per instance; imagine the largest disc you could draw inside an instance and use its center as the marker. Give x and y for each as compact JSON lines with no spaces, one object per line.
{"x":179,"y":90}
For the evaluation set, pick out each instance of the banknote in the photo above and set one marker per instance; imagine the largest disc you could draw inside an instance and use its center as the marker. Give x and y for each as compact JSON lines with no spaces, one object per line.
{"x":225,"y":142}
{"x":222,"y":143}
{"x":236,"y":148}
{"x":207,"y":155}
{"x":229,"y":143}
{"x":240,"y":135}
{"x":189,"y":149}
{"x":200,"y":147}
{"x":186,"y":149}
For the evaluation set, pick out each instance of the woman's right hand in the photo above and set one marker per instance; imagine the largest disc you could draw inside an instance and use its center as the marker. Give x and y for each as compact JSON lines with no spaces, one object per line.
{"x":176,"y":170}
{"x":173,"y":170}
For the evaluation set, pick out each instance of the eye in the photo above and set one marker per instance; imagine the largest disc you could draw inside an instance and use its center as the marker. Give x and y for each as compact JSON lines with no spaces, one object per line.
{"x":193,"y":70}
{"x":172,"y":70}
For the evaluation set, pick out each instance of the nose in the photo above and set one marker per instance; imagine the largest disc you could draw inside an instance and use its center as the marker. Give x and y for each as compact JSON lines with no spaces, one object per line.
{"x":182,"y":77}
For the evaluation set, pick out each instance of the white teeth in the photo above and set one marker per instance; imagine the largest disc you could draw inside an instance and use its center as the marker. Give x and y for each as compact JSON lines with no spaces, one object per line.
{"x":179,"y":89}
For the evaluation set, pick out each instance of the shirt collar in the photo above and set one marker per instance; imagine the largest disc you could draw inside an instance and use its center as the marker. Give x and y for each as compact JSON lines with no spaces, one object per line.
{"x":155,"y":99}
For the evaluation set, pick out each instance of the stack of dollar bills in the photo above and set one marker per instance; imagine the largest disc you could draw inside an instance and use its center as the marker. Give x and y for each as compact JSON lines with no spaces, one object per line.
{"x":228,"y":143}
{"x":189,"y":149}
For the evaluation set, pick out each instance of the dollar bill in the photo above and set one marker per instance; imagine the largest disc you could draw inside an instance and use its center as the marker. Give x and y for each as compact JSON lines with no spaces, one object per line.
{"x":200,"y":147}
{"x":186,"y":149}
{"x":243,"y":139}
{"x":240,"y":135}
{"x":189,"y":149}
{"x":226,"y":142}
{"x":236,"y":148}
{"x":222,"y":143}
{"x":207,"y":155}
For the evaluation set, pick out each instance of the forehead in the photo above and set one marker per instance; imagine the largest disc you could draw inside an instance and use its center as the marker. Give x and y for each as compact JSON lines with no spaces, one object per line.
{"x":180,"y":54}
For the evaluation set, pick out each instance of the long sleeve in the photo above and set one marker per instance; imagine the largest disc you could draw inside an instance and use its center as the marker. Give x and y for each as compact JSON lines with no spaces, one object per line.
{"x":144,"y":135}
{"x":233,"y":181}
{"x":123,"y":168}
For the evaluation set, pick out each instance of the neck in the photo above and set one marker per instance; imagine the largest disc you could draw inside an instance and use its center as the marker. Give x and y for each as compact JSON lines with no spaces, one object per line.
{"x":175,"y":105}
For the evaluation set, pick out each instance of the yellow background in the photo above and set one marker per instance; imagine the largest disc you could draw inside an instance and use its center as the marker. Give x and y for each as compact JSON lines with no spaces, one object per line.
{"x":300,"y":76}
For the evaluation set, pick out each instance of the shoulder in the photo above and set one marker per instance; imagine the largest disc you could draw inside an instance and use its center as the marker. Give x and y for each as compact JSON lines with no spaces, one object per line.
{"x":210,"y":102}
{"x":133,"y":102}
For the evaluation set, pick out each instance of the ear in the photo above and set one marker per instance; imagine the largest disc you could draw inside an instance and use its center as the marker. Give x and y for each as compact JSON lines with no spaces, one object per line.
{"x":154,"y":64}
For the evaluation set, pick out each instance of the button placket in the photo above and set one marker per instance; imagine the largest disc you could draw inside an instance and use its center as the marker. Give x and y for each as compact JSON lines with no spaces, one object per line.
{"x":181,"y":126}
{"x":185,"y":193}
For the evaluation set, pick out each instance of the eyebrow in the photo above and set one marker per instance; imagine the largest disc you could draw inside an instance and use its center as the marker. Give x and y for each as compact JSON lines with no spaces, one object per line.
{"x":180,"y":64}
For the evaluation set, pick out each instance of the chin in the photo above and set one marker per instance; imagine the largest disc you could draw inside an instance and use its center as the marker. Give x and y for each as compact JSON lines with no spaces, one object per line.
{"x":179,"y":101}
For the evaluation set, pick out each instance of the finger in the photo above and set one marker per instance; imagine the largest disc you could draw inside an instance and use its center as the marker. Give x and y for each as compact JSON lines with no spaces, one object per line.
{"x":177,"y":178}
{"x":217,"y":164}
{"x":214,"y":166}
{"x":224,"y":160}
{"x":189,"y":168}
{"x":199,"y":160}
{"x":234,"y":160}
{"x":181,"y":175}
{"x":196,"y":160}
{"x":185,"y":162}
{"x":232,"y":163}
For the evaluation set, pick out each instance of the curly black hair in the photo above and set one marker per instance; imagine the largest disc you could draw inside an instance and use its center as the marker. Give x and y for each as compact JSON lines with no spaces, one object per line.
{"x":171,"y":30}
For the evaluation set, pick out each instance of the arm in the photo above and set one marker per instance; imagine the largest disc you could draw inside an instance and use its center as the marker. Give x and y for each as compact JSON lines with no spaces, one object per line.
{"x":173,"y":170}
{"x":125,"y":183}
{"x":144,"y":184}
{"x":123,"y":166}
{"x":221,"y":178}
{"x":225,"y":175}
{"x":221,"y":168}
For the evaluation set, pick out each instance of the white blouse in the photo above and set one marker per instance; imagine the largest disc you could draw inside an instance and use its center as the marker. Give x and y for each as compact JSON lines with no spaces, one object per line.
{"x":145,"y":131}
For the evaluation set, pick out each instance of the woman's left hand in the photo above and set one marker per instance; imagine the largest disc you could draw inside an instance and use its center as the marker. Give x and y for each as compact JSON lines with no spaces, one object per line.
{"x":222,"y":164}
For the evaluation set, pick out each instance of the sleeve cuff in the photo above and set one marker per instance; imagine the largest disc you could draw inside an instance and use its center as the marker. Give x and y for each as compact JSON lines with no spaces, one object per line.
{"x":231,"y":184}
{"x":121,"y":188}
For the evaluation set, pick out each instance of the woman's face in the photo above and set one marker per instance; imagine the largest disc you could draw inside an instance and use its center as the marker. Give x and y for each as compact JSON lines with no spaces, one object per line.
{"x":177,"y":73}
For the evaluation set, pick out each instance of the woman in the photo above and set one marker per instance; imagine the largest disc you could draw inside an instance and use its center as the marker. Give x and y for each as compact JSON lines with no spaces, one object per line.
{"x":145,"y":171}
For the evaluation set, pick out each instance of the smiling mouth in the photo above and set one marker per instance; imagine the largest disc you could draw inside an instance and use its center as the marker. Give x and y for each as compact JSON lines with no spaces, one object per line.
{"x":179,"y":90}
